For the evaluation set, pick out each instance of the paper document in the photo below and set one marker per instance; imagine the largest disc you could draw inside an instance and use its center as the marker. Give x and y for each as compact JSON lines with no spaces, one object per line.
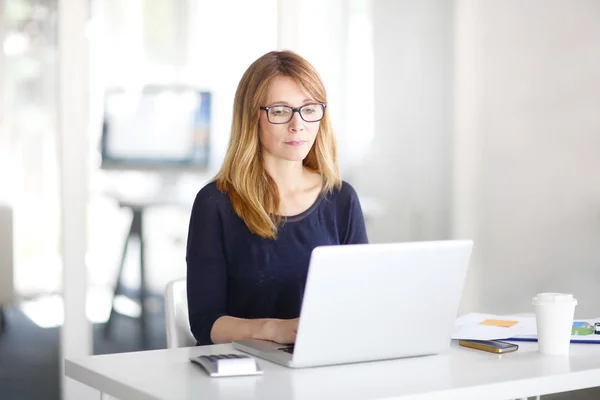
{"x":584,"y":331}
{"x":491,"y":327}
{"x":478,"y":326}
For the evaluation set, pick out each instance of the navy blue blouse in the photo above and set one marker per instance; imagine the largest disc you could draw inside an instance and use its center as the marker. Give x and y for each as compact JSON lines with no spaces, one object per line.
{"x":231,"y":271}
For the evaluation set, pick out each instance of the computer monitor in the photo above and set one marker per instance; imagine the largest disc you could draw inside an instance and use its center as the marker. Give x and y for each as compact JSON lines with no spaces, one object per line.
{"x":157,"y":127}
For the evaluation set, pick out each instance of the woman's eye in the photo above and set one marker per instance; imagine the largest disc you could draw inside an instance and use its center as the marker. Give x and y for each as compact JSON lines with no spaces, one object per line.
{"x":279,"y":111}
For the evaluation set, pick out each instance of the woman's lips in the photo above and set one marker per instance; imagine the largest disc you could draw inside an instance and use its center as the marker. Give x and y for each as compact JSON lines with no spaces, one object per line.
{"x":295,"y":143}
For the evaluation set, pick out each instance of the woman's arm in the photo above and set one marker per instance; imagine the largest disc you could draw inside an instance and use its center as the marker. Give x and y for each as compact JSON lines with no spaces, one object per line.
{"x":207,"y":282}
{"x":206,"y":265}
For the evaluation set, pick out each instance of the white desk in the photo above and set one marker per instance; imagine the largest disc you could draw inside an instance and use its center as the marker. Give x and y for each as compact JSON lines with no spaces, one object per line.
{"x":458,"y":374}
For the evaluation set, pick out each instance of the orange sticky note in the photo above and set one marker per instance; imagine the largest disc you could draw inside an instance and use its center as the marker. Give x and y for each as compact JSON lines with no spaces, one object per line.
{"x":499,"y":323}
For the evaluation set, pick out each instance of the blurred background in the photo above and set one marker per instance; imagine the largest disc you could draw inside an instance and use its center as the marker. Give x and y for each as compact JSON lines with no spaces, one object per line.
{"x":455,"y":119}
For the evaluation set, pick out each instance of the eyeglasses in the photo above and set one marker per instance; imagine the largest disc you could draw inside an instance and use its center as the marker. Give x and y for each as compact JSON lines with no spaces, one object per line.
{"x":313,"y":112}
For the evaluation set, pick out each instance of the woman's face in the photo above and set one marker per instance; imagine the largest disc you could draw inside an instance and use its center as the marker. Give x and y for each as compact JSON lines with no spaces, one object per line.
{"x":291,"y":140}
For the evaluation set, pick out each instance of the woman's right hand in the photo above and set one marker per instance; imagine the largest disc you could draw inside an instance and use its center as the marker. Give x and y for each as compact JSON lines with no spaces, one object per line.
{"x":282,"y":331}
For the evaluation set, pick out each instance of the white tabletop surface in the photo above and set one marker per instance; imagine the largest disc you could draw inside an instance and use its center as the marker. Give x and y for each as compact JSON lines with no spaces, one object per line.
{"x":458,"y":373}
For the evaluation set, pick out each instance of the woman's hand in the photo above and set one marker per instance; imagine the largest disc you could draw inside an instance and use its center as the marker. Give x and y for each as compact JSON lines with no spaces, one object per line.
{"x":227,"y":329}
{"x":281,"y":331}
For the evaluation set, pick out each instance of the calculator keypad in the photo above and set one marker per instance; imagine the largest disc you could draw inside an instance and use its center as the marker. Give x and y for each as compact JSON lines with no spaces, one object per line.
{"x":210,"y":362}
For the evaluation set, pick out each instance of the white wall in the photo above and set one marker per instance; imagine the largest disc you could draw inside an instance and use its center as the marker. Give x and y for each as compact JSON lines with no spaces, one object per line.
{"x":528,"y":150}
{"x":487,"y":127}
{"x":409,"y":166}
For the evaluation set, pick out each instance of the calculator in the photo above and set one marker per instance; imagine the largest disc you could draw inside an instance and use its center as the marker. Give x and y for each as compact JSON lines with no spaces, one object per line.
{"x":220,"y":365}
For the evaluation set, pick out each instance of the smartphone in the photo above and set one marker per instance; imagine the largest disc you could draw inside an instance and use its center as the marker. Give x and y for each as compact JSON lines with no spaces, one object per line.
{"x":492,"y":346}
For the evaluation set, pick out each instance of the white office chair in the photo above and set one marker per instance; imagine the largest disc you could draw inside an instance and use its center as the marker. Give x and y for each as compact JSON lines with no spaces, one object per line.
{"x":176,"y":315}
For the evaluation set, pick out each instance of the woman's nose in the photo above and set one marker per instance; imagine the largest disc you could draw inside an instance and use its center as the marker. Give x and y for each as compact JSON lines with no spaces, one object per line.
{"x":296,"y":124}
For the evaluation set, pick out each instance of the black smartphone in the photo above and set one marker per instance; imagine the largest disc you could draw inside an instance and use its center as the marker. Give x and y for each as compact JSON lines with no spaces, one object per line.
{"x":492,"y":346}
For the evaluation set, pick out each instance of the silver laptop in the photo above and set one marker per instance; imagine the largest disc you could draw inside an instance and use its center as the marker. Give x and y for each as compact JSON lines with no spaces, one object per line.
{"x":374,"y":302}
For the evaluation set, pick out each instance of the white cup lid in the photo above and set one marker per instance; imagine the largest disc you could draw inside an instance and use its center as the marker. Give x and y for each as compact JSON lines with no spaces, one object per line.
{"x":553,"y":298}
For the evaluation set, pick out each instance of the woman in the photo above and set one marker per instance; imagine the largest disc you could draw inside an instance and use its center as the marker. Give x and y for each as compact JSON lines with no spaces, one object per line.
{"x":277,"y":196}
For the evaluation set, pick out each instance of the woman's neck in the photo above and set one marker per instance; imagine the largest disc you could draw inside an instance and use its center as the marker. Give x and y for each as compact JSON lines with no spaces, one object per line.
{"x":290,"y":176}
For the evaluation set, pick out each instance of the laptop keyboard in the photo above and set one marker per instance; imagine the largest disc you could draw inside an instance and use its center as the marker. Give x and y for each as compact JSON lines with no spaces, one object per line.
{"x":288,"y":349}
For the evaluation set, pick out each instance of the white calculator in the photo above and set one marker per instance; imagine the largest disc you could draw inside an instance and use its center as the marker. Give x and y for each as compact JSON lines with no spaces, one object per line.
{"x":220,"y":365}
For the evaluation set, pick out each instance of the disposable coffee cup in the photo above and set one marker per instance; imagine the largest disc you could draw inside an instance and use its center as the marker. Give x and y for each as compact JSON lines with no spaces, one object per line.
{"x":554,"y":318}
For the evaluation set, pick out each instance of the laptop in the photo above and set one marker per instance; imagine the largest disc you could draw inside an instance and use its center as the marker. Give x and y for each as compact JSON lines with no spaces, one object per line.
{"x":372,"y":302}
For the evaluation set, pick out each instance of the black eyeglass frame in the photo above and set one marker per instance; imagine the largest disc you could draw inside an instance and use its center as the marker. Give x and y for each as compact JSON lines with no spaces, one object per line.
{"x":294,"y":109}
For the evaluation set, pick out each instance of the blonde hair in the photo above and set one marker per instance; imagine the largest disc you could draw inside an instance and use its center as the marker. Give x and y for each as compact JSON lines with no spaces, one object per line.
{"x":252,"y":192}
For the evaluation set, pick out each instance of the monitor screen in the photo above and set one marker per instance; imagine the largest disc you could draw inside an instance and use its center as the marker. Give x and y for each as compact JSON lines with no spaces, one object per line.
{"x":156,"y":127}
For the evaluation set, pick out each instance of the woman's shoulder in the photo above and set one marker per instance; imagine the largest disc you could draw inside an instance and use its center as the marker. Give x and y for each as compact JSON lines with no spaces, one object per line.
{"x":345,"y":193}
{"x":211,"y":197}
{"x":342,"y":198}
